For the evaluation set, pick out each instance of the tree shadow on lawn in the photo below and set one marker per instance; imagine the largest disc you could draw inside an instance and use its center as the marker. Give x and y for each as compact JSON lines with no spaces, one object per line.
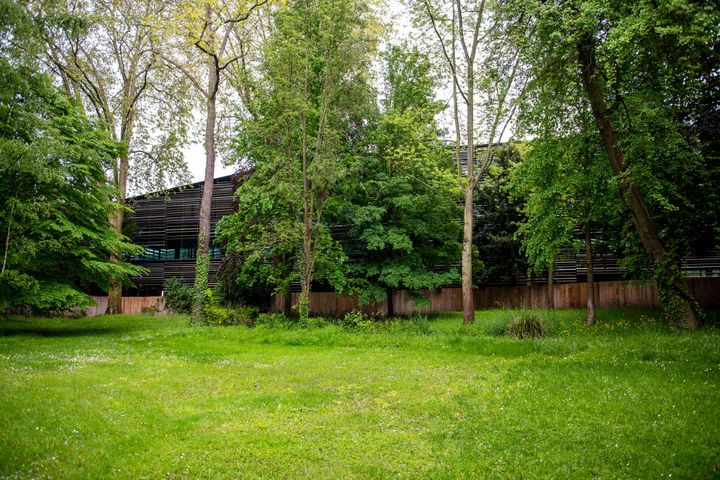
{"x":17,"y":328}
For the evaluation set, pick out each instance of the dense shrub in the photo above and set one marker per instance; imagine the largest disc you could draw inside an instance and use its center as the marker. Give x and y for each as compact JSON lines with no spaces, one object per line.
{"x":219,"y":316}
{"x":527,"y":324}
{"x":178,"y":296}
{"x":353,"y":319}
{"x":245,"y":316}
{"x":272,"y":320}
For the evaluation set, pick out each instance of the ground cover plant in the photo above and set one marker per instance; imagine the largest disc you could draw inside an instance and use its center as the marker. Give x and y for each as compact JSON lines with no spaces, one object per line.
{"x":426,"y":397}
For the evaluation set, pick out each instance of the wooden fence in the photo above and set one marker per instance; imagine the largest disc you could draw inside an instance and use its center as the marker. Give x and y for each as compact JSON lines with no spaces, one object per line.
{"x":572,"y":295}
{"x":130,"y":305}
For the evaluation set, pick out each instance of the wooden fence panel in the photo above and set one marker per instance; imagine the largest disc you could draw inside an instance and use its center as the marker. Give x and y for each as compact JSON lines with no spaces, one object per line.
{"x":569,"y":295}
{"x":616,"y":294}
{"x":130,"y":305}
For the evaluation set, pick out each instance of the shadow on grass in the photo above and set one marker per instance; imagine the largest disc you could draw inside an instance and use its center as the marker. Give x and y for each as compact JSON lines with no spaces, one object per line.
{"x":61,"y":332}
{"x":59,"y":328}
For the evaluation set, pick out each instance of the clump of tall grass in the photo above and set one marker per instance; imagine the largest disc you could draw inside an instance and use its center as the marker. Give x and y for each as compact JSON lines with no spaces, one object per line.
{"x":526,"y":324}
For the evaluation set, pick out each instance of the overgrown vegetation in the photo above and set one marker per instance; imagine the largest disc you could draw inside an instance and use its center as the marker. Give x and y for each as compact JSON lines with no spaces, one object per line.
{"x":178,"y":296}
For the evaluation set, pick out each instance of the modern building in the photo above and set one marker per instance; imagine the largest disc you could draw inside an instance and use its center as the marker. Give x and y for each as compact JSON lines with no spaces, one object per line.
{"x":166,"y":225}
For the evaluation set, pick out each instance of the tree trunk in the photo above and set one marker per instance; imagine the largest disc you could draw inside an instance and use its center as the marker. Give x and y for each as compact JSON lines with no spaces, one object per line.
{"x":304,"y":300}
{"x":551,"y":286}
{"x":115,"y":291}
{"x":590,"y":279}
{"x":202,"y":257}
{"x":116,"y":224}
{"x":467,"y":283}
{"x":287,"y":303}
{"x":671,"y":286}
{"x":390,"y":304}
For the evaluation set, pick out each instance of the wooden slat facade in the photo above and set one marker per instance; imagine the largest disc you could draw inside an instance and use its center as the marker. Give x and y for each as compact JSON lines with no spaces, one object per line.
{"x":162,"y":222}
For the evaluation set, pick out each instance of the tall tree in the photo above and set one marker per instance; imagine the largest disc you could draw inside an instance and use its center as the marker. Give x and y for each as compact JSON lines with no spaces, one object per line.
{"x":54,"y":198}
{"x":483,"y":69}
{"x":639,"y":66}
{"x":206,"y":32}
{"x":101,"y":52}
{"x":399,"y":194}
{"x":564,"y":184}
{"x":315,"y":98}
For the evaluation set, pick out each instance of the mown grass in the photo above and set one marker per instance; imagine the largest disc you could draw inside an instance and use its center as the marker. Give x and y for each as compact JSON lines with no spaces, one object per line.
{"x":149,"y":397}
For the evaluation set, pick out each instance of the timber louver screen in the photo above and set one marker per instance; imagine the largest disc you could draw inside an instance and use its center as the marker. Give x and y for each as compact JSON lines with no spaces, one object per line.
{"x":166,"y":225}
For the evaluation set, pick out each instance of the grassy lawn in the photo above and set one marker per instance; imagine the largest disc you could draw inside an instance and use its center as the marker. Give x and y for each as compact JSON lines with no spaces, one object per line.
{"x":149,"y":397}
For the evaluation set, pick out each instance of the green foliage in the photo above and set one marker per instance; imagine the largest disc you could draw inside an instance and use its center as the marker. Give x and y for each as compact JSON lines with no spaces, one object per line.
{"x":657,"y":65}
{"x":244,"y":316}
{"x":200,"y":288}
{"x":563,"y":183}
{"x":498,"y":216}
{"x":213,"y":314}
{"x":272,"y":320}
{"x":308,"y":111}
{"x":217,"y":315}
{"x":177,"y":295}
{"x":399,"y":201}
{"x":54,"y":197}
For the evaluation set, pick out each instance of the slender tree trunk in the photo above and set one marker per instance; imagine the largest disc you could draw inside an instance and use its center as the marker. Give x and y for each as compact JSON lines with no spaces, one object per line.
{"x":7,"y":238}
{"x":467,"y":280}
{"x":116,"y":223}
{"x":304,"y":300}
{"x":551,"y":286}
{"x":456,"y":109}
{"x":390,"y":304}
{"x":287,"y":303}
{"x":202,"y":257}
{"x":671,"y":286}
{"x":306,"y":280}
{"x":590,"y":278}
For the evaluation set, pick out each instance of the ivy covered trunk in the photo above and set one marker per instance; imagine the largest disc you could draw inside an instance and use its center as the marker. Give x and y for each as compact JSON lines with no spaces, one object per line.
{"x":304,"y":301}
{"x":202,"y":259}
{"x":672,"y":288}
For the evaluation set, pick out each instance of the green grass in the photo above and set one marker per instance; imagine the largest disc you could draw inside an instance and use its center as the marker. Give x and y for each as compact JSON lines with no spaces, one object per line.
{"x":149,"y":397}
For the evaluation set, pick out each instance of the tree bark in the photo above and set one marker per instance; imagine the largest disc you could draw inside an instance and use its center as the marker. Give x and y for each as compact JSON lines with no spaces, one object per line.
{"x":551,"y":286}
{"x":202,"y":257}
{"x":116,"y":223}
{"x":672,"y":288}
{"x":467,"y":283}
{"x":304,"y":300}
{"x":590,"y":273}
{"x":287,"y":303}
{"x":390,"y":304}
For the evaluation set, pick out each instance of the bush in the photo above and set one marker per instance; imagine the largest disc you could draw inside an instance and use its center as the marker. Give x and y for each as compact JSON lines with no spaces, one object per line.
{"x":272,"y":320}
{"x":245,"y":316}
{"x":178,"y":296}
{"x":219,"y":316}
{"x":526,"y":325}
{"x":353,"y":319}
